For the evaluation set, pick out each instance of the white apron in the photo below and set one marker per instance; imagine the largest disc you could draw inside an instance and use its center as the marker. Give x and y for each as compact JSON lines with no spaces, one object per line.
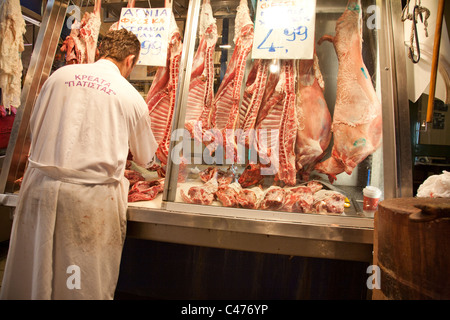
{"x":77,"y":250}
{"x":69,"y":225}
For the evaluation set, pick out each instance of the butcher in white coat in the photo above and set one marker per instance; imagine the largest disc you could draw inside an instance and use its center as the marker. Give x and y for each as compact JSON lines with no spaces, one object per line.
{"x":70,"y":222}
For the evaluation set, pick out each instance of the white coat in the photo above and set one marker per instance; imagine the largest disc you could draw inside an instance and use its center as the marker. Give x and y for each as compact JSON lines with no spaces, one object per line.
{"x":70,"y":222}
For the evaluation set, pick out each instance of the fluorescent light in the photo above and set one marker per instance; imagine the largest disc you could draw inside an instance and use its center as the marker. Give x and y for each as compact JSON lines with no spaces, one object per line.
{"x":225,"y":46}
{"x":31,"y":20}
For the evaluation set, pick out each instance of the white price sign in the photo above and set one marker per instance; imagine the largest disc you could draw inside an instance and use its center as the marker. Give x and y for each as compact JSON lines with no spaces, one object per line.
{"x":284,"y":29}
{"x":151,"y":26}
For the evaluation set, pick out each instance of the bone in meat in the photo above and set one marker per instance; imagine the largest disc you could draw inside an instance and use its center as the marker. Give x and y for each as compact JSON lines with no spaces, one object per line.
{"x":201,"y":87}
{"x":225,"y":111}
{"x":12,"y":29}
{"x":145,"y":190}
{"x":201,"y":194}
{"x":250,"y":198}
{"x":81,"y":45}
{"x":227,"y":194}
{"x":278,"y":112}
{"x":327,"y":201}
{"x":313,"y":117}
{"x":273,"y":198}
{"x":298,"y":199}
{"x":252,"y":99}
{"x":357,"y":119}
{"x":161,"y":95}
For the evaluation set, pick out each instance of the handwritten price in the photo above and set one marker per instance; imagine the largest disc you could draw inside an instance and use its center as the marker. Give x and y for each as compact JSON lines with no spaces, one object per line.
{"x":300,"y":33}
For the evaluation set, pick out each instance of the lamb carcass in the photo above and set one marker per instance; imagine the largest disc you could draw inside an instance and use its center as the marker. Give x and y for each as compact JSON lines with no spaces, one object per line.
{"x":12,"y":29}
{"x":357,"y":119}
{"x":201,"y":87}
{"x":81,"y":45}
{"x":278,"y":112}
{"x":161,"y":95}
{"x":251,"y":101}
{"x":225,"y":110}
{"x":314,"y":119}
{"x":145,"y":190}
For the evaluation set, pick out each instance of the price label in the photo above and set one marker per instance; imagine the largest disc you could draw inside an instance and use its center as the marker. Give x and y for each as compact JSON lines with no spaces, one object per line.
{"x":151,"y":26}
{"x":284,"y":29}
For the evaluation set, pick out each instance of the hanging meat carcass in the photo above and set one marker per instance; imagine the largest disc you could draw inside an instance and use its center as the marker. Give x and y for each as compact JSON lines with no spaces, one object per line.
{"x":357,"y":119}
{"x":201,"y":87}
{"x":12,"y":29}
{"x":161,"y":96}
{"x":115,"y":25}
{"x":81,"y":45}
{"x":278,"y":113}
{"x":251,"y":101}
{"x":314,"y":119}
{"x":225,"y":110}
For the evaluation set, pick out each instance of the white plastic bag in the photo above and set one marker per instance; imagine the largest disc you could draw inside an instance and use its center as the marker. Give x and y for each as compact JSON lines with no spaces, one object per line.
{"x":436,"y":186}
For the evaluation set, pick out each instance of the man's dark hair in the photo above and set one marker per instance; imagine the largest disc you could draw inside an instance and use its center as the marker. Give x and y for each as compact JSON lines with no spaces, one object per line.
{"x":119,"y":44}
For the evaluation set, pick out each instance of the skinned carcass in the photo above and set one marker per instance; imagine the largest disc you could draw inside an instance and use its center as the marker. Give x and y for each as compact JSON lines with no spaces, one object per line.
{"x":161,"y":95}
{"x":201,"y":87}
{"x":12,"y":29}
{"x":314,"y":119}
{"x":81,"y":45}
{"x":357,"y":119}
{"x":225,"y":110}
{"x":278,"y":113}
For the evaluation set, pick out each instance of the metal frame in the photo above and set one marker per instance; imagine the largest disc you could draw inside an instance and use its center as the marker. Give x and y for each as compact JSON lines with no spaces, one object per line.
{"x":39,"y":70}
{"x":336,"y":237}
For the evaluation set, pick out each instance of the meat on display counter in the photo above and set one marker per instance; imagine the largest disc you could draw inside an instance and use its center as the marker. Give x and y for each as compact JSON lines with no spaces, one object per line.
{"x":284,"y":192}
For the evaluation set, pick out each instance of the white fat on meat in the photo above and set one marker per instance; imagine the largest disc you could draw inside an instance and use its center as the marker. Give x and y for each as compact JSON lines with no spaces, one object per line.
{"x":328,"y":201}
{"x":228,"y":194}
{"x":12,"y":29}
{"x":201,"y":87}
{"x":250,"y":198}
{"x":203,"y":194}
{"x":357,"y":118}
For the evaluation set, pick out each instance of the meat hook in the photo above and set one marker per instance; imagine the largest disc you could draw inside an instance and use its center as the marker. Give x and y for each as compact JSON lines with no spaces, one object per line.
{"x":411,"y":50}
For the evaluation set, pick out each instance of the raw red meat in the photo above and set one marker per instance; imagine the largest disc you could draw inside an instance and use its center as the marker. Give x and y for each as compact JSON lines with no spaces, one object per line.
{"x":225,"y":111}
{"x":161,"y":96}
{"x":314,"y":119}
{"x":201,"y":194}
{"x":278,"y":112}
{"x":357,"y":119}
{"x":133,"y":176}
{"x":81,"y":45}
{"x":327,"y":201}
{"x":201,"y":87}
{"x":298,"y":199}
{"x":227,"y":194}
{"x":274,"y":198}
{"x":250,"y":198}
{"x":145,"y":190}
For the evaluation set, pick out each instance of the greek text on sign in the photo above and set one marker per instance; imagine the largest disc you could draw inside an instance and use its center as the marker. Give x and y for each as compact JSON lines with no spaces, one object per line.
{"x":151,"y":26}
{"x":284,"y":29}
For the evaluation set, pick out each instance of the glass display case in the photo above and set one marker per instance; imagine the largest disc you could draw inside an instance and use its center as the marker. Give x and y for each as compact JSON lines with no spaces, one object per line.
{"x":285,"y":135}
{"x":271,"y":119}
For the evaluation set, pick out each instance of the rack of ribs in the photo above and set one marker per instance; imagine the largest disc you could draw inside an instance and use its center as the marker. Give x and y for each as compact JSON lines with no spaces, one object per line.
{"x":161,"y":95}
